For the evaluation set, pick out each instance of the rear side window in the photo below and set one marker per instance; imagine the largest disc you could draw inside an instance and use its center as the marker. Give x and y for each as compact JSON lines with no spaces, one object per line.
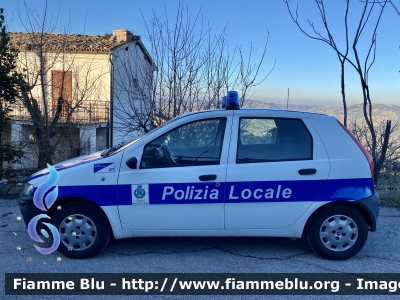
{"x":268,"y":139}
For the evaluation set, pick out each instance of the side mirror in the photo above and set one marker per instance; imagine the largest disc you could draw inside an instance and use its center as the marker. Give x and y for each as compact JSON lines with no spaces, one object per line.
{"x":132,"y":162}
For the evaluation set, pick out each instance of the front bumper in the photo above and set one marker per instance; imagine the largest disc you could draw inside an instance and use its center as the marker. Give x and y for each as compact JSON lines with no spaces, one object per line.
{"x":28,"y":208}
{"x":371,"y":207}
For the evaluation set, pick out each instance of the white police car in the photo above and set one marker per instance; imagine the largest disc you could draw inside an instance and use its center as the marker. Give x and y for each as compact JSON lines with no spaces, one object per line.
{"x":228,"y":172}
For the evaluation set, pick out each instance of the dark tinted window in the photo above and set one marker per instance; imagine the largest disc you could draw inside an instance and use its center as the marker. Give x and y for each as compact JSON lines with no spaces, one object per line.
{"x":262,"y":139}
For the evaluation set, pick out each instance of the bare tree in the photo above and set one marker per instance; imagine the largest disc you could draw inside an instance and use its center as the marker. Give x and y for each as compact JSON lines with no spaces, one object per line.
{"x":328,"y":39}
{"x":249,"y":72}
{"x":389,"y":149}
{"x":193,"y":70}
{"x":361,"y":66}
{"x":395,"y":7}
{"x":57,"y":85}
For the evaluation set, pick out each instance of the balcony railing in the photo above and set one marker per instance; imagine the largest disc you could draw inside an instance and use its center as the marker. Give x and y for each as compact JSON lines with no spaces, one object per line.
{"x":91,"y":111}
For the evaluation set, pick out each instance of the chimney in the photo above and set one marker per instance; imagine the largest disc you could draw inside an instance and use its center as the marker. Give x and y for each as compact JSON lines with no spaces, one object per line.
{"x":122,"y":35}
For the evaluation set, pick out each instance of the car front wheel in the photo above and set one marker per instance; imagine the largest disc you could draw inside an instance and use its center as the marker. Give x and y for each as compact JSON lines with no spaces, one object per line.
{"x":337,"y":232}
{"x":83,"y":230}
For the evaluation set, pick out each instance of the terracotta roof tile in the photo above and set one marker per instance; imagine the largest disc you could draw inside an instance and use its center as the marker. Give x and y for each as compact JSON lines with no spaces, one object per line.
{"x":69,"y":42}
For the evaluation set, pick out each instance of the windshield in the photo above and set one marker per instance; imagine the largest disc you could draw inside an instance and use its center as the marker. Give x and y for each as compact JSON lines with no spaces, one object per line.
{"x":123,"y":146}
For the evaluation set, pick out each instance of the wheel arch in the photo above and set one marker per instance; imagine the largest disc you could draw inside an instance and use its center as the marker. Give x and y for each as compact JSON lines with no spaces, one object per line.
{"x":63,"y":201}
{"x":353,"y":204}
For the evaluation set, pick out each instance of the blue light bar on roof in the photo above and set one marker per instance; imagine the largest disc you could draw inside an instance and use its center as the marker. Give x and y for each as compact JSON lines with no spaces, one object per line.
{"x":232,"y":100}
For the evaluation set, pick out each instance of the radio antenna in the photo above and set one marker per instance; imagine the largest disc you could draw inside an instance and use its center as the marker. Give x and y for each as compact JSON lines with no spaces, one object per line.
{"x":287,"y":102}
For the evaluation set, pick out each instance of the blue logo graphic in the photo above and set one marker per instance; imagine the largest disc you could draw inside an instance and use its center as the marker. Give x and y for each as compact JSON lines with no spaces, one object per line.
{"x":104,"y":168}
{"x":49,"y":201}
{"x":139,"y":192}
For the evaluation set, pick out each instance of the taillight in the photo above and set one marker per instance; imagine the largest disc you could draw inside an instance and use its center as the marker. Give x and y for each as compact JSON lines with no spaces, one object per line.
{"x":366,"y":153}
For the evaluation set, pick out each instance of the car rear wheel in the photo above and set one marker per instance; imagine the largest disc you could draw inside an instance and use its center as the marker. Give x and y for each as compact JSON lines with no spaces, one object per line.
{"x":84,"y":231}
{"x":337,"y":232}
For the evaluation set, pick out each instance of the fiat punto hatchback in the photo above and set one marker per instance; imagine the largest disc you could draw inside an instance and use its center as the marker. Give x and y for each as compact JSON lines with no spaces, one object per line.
{"x":227,"y":172}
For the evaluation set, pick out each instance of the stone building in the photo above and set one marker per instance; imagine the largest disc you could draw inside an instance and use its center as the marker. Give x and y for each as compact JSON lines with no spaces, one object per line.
{"x":80,"y":70}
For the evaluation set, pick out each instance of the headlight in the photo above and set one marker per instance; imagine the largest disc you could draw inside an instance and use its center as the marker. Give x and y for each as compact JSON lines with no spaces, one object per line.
{"x":28,"y":188}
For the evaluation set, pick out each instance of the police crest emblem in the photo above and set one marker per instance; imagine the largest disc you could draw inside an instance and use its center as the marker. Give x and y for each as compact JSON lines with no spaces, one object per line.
{"x":139,"y":192}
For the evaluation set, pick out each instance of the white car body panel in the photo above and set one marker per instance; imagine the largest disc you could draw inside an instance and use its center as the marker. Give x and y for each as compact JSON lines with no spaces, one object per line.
{"x":185,"y":216}
{"x":343,"y":152}
{"x":271,"y":214}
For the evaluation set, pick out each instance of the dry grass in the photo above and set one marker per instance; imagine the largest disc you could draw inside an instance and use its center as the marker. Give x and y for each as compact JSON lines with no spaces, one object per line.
{"x":390,"y":198}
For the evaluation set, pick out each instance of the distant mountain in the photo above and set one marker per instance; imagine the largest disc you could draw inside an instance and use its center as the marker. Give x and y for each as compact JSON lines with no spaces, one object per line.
{"x":355,"y":111}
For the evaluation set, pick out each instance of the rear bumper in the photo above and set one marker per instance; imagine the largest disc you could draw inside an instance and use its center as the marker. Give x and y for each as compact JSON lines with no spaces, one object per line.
{"x":371,"y":207}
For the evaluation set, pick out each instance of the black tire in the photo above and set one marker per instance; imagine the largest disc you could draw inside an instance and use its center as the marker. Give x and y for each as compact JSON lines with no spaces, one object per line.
{"x":84,"y":231}
{"x":337,"y":232}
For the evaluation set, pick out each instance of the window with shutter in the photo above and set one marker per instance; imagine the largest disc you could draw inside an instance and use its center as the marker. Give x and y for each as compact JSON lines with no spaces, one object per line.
{"x":61,"y":87}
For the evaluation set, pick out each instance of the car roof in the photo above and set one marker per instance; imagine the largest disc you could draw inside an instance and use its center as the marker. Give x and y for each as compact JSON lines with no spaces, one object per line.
{"x":285,"y":110}
{"x":258,"y":110}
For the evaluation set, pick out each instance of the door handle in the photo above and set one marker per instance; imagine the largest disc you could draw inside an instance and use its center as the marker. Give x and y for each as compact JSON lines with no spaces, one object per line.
{"x":307,"y":171}
{"x":207,"y":177}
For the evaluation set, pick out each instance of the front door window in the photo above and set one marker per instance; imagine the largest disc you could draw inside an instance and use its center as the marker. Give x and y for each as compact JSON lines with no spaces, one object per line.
{"x":193,"y":144}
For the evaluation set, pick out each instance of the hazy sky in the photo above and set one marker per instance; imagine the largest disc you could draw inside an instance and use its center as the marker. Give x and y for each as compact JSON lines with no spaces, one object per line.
{"x":309,"y":68}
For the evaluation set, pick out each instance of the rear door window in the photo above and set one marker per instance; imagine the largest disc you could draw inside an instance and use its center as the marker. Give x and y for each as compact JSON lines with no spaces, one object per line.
{"x":273,"y":139}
